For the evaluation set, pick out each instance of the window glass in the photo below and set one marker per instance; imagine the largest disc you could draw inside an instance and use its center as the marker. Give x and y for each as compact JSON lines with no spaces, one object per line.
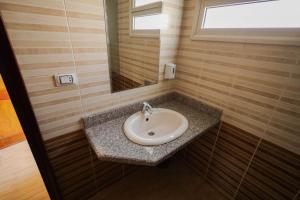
{"x":147,"y":22}
{"x":263,"y":14}
{"x":144,"y":2}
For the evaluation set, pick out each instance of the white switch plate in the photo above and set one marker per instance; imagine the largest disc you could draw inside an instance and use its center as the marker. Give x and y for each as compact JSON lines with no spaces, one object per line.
{"x":65,"y":79}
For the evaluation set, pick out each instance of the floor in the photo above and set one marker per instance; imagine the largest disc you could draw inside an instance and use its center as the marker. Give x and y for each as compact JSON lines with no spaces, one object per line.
{"x":19,"y":175}
{"x":177,"y":182}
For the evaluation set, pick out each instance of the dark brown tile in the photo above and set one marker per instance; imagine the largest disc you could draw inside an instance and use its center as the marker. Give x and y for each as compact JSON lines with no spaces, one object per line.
{"x":79,"y":173}
{"x":198,"y":153}
{"x":177,"y":182}
{"x":297,"y":197}
{"x":181,"y":154}
{"x":70,"y":159}
{"x":120,"y":83}
{"x":106,"y":172}
{"x":273,"y":174}
{"x":128,"y":169}
{"x":231,"y":156}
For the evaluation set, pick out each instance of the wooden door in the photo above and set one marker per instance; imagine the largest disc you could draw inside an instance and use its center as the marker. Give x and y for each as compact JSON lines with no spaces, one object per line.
{"x":10,"y":129}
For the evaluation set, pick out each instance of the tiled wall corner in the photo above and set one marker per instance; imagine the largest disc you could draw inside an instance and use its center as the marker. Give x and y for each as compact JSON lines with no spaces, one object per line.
{"x":257,"y":87}
{"x":231,"y":156}
{"x":243,"y":166}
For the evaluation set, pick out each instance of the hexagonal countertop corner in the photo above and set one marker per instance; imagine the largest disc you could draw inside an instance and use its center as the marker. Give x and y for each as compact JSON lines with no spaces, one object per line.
{"x":105,"y":131}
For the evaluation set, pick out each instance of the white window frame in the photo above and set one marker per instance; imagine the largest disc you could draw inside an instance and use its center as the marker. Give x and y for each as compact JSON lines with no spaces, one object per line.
{"x":148,"y":9}
{"x":280,"y":36}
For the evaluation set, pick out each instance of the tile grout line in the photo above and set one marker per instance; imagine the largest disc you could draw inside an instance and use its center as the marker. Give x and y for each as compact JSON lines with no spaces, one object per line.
{"x":246,"y":170}
{"x":297,"y":195}
{"x":276,"y":105}
{"x":229,"y":91}
{"x":93,"y":166}
{"x":212,"y":151}
{"x":73,"y":56}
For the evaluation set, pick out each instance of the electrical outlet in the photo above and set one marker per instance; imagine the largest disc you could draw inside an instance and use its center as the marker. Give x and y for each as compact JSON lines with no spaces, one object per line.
{"x":65,"y":79}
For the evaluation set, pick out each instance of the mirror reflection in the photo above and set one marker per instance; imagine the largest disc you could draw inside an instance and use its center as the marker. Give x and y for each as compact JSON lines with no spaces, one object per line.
{"x":133,"y":42}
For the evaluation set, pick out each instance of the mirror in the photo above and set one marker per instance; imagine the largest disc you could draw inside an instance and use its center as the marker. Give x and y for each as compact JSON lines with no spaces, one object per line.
{"x":133,"y":43}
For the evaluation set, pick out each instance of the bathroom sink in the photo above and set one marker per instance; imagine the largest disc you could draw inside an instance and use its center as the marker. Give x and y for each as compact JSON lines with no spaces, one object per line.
{"x":162,"y":126}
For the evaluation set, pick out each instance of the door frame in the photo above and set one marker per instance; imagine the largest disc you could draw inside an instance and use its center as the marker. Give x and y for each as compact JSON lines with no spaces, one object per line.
{"x":15,"y":86}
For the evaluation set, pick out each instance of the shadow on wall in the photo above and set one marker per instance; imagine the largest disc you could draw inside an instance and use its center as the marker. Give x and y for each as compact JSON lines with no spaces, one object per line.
{"x":10,"y":129}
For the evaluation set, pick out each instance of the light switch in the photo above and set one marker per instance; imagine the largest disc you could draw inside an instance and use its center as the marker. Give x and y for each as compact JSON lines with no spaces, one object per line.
{"x":65,"y":79}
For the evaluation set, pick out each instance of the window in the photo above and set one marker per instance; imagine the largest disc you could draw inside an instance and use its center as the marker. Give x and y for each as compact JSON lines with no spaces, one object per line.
{"x":146,"y":22}
{"x":145,"y":18}
{"x":138,"y":3}
{"x":254,"y":21}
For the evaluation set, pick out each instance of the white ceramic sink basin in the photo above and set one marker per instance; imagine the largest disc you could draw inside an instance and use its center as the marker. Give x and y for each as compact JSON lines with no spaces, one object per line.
{"x":162,"y":126}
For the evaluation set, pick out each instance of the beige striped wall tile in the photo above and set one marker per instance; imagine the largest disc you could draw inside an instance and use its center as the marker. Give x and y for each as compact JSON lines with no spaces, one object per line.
{"x":139,"y":94}
{"x":68,"y":36}
{"x":90,"y":60}
{"x":169,"y":34}
{"x":247,"y":81}
{"x":40,"y":62}
{"x":57,"y":5}
{"x":97,"y":104}
{"x":90,"y":7}
{"x":284,"y":125}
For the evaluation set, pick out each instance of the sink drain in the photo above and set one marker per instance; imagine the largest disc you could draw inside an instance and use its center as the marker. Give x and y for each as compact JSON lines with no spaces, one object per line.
{"x":151,"y":133}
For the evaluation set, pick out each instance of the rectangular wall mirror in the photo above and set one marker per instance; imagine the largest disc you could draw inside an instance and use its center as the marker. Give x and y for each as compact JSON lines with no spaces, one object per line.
{"x":133,"y":50}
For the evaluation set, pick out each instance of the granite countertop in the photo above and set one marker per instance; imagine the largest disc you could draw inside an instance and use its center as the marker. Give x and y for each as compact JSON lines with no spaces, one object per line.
{"x":105,"y":131}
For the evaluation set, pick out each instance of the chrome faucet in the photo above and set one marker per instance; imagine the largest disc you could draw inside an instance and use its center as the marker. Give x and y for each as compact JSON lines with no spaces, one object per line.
{"x":147,"y":109}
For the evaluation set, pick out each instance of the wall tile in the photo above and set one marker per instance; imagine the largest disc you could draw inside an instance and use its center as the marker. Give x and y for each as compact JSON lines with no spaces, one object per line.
{"x":256,"y":85}
{"x":70,"y":159}
{"x":106,"y":172}
{"x":198,"y":153}
{"x":231,"y":156}
{"x":273,"y":174}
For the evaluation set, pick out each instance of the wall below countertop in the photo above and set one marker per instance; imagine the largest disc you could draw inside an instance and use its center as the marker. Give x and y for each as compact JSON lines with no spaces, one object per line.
{"x":244,"y":166}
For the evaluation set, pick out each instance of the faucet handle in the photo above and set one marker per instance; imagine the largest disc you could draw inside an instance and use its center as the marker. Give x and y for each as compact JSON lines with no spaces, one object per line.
{"x":147,"y":107}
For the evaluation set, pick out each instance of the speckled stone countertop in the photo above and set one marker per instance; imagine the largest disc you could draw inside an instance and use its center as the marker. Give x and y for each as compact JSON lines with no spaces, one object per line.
{"x":105,"y":131}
